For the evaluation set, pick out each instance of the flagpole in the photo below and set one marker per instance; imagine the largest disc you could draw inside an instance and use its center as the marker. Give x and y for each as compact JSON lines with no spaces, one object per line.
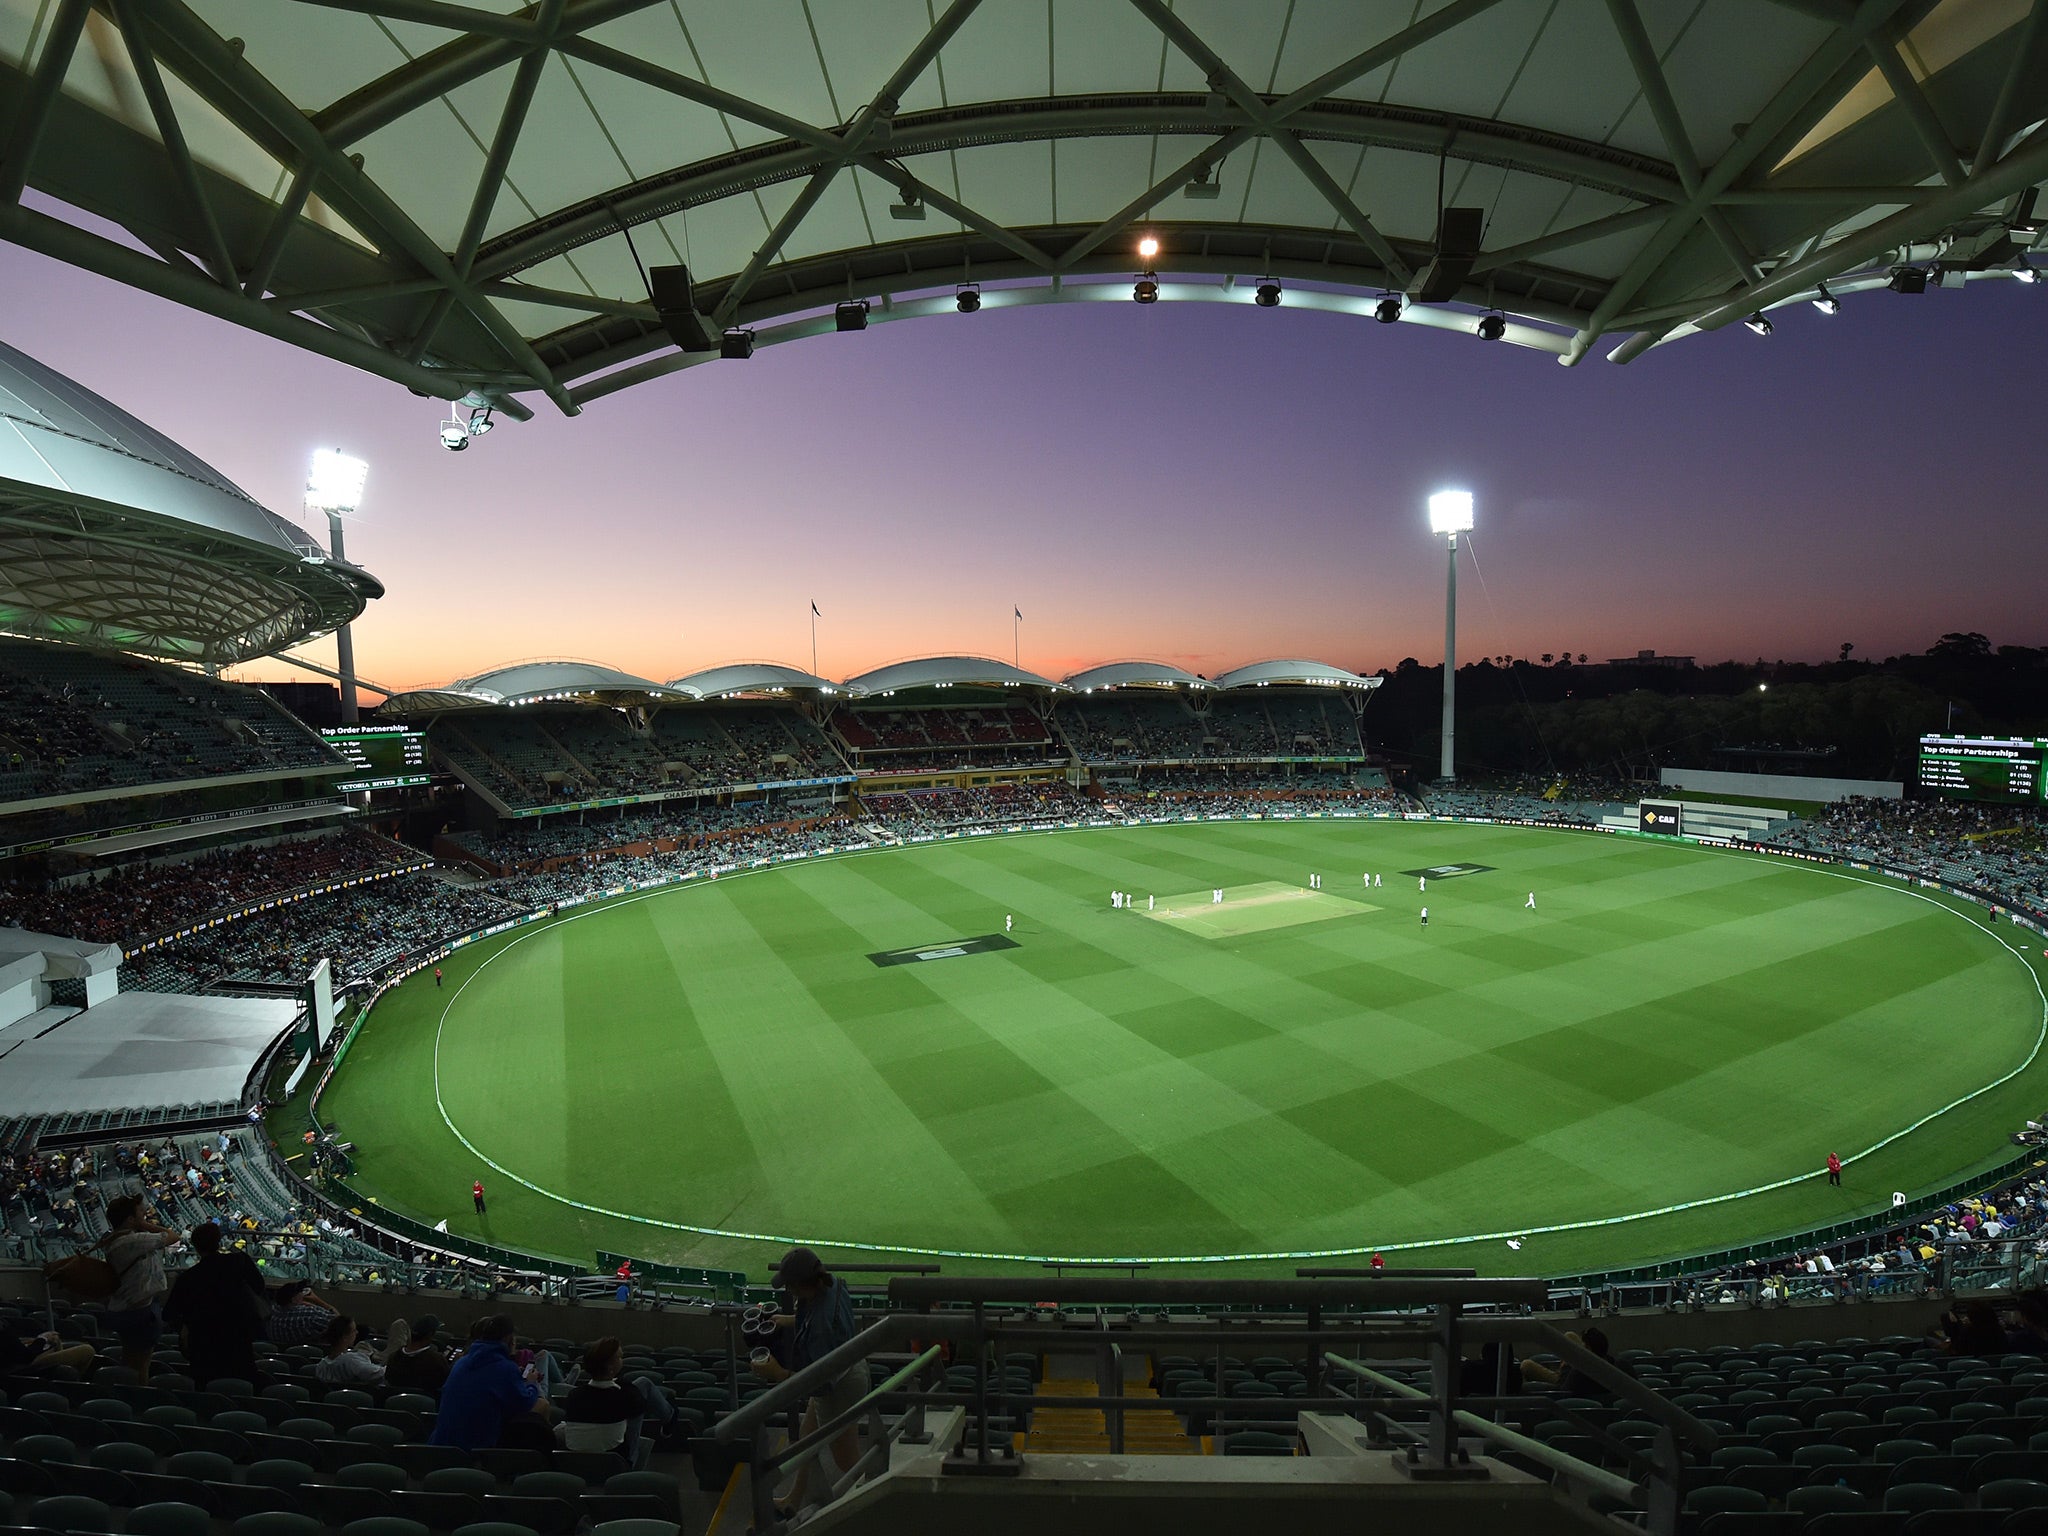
{"x":814,"y":640}
{"x":1016,"y":638}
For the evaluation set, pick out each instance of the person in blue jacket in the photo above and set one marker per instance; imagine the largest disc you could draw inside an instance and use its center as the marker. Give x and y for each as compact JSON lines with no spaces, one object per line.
{"x":488,"y":1398}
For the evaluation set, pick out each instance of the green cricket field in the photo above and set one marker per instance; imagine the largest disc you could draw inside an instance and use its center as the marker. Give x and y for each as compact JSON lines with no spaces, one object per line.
{"x":960,"y":1048}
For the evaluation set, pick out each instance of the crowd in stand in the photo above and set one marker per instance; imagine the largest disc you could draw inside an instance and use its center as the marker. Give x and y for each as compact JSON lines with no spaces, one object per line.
{"x":144,"y":900}
{"x":72,"y":722}
{"x":1958,"y":1246}
{"x":1993,"y":848}
{"x":364,"y":930}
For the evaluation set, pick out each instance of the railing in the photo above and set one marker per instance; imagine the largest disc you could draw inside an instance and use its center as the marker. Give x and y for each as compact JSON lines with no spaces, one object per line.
{"x":1443,"y":1314}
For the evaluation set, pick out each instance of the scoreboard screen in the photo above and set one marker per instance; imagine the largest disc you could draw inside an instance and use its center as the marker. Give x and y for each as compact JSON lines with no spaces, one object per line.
{"x":385,"y":756}
{"x":2003,"y":769}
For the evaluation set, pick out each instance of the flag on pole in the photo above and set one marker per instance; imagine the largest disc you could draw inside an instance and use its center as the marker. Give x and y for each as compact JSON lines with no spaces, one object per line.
{"x":814,"y":609}
{"x":1019,"y":612}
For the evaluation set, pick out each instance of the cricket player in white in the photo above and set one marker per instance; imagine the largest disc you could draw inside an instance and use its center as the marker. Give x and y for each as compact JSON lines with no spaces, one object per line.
{"x":1531,"y":902}
{"x":1422,"y":882}
{"x":1006,"y":922}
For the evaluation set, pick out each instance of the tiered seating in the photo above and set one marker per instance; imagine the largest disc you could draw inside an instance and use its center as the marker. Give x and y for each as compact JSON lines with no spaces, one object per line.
{"x":1312,"y":724}
{"x":1126,"y":727}
{"x":363,"y":930}
{"x":1887,"y":1427}
{"x":299,"y":1457}
{"x":146,"y":900}
{"x":73,"y":721}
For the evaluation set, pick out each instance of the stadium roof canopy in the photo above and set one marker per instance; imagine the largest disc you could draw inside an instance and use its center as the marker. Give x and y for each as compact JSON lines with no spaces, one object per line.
{"x":1134,"y":674}
{"x":537,"y":682}
{"x":464,"y":197}
{"x":113,"y":534}
{"x":1266,"y":674}
{"x":945,"y":672}
{"x":751,"y":677}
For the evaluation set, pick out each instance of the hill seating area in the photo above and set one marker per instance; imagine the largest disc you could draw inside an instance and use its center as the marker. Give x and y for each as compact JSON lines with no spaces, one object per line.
{"x":74,"y":722}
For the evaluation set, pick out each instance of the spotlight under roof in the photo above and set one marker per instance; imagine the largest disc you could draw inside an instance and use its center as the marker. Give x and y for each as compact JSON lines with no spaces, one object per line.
{"x":1493,"y":326}
{"x":1388,"y":310}
{"x":1760,"y":323}
{"x":968,"y":299}
{"x":1148,"y":247}
{"x":1826,"y":302}
{"x":1908,"y":280}
{"x":1146,"y":290}
{"x":736,"y":345}
{"x":1268,"y":295}
{"x":850,"y":315}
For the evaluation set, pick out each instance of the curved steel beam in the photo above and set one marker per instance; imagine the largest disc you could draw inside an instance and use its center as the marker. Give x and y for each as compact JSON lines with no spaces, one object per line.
{"x":807,"y":313}
{"x":881,"y":274}
{"x":1511,"y":146}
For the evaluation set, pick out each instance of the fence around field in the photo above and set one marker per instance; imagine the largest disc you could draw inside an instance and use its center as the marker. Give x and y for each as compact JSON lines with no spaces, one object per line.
{"x":1664,"y":1282}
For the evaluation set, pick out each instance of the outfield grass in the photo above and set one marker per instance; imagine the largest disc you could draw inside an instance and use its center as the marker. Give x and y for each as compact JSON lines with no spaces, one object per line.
{"x":1670,"y":1025}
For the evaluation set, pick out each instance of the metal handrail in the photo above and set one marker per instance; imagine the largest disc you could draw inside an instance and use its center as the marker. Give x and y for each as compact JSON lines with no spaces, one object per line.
{"x":1367,"y":1295}
{"x":1599,"y":1479}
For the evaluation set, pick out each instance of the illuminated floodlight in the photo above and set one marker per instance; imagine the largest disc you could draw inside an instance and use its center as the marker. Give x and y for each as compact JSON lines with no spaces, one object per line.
{"x":1826,"y":302}
{"x":1760,"y":323}
{"x":335,"y":482}
{"x":1388,"y":310}
{"x":1148,"y":247}
{"x":1450,"y":512}
{"x":2024,"y":271}
{"x":968,"y":299}
{"x":1146,"y":290}
{"x":1268,"y":295}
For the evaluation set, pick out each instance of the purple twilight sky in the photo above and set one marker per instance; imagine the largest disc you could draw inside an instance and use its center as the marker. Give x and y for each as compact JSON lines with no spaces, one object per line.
{"x":1201,"y":484}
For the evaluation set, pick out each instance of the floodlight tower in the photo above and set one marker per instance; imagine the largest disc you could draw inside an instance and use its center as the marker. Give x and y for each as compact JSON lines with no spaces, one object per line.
{"x":1450,"y":514}
{"x":334,"y":485}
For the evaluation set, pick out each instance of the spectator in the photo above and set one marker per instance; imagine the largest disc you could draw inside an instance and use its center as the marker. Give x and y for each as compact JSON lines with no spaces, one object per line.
{"x":33,"y":1354}
{"x":135,"y":1250}
{"x":1569,"y":1379}
{"x":603,"y":1413}
{"x":347,"y":1365}
{"x":488,"y":1400}
{"x":419,"y":1365}
{"x":221,"y":1304}
{"x":297,"y":1316}
{"x":823,"y":1321}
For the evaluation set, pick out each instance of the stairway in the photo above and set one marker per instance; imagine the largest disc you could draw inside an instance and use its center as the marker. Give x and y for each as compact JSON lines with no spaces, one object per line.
{"x":1085,"y":1431}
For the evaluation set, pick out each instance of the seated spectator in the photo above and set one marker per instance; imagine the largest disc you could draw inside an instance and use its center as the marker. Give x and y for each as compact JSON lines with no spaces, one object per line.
{"x":348,"y":1365}
{"x":1569,"y":1379}
{"x":297,"y":1316}
{"x":220,"y":1303}
{"x":419,"y":1365}
{"x":37,"y":1353}
{"x":488,"y":1400}
{"x":603,"y":1413}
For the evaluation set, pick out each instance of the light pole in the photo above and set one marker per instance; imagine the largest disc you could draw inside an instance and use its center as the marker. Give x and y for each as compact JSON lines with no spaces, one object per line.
{"x":334,"y":485}
{"x":1450,"y":514}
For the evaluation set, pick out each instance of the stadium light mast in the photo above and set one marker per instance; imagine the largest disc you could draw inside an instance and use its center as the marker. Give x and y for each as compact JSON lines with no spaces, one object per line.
{"x":334,"y":485}
{"x":1450,"y":514}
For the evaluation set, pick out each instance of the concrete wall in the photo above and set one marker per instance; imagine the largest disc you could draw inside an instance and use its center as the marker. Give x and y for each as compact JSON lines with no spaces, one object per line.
{"x":1779,"y":786}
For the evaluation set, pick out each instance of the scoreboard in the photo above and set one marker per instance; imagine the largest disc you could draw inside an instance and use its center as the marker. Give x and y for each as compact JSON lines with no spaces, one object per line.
{"x":2006,"y":770}
{"x":385,"y":756}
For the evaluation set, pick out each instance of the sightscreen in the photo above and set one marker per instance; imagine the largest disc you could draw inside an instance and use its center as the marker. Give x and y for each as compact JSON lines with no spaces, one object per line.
{"x":387,"y":756}
{"x":2005,"y":770}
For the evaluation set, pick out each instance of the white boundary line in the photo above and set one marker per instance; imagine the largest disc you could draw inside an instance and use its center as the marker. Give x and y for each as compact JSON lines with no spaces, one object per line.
{"x":792,"y":1239}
